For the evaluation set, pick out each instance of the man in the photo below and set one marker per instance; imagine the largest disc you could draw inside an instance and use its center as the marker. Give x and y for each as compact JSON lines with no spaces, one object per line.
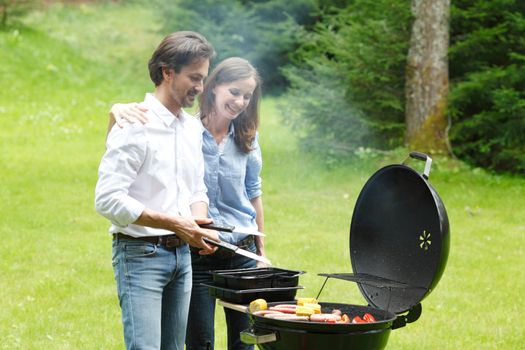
{"x":150,"y":186}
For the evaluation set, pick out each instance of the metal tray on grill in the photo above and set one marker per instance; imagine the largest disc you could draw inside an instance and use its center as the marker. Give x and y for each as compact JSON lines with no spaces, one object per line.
{"x":256,"y":278}
{"x":245,"y":296}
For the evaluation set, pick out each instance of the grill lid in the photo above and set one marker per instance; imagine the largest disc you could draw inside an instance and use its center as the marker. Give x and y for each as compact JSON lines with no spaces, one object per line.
{"x":399,"y":237}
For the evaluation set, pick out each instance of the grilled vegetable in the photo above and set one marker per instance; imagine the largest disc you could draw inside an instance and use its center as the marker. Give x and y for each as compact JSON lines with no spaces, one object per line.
{"x":345,"y":319}
{"x":369,"y":318}
{"x":315,"y":307}
{"x":257,"y":305}
{"x":358,"y":319}
{"x":302,"y":301}
{"x":304,"y":311}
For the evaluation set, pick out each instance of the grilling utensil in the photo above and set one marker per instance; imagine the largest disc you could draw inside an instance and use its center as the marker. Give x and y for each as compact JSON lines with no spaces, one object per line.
{"x":231,"y":247}
{"x":237,"y":250}
{"x":231,"y":229}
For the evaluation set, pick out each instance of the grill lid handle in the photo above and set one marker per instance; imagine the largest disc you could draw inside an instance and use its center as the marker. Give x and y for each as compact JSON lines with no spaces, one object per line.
{"x":423,"y":157}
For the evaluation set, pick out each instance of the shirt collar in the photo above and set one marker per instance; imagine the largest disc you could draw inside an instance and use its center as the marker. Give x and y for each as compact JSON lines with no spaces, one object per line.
{"x":231,"y":131}
{"x":163,"y":113}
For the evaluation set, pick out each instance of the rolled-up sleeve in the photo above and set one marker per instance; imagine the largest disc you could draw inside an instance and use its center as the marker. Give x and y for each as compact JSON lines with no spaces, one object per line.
{"x":253,"y":181}
{"x":125,"y":154}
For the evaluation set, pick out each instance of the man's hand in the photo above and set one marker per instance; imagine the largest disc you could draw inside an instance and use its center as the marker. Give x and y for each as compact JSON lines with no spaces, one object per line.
{"x":188,"y":230}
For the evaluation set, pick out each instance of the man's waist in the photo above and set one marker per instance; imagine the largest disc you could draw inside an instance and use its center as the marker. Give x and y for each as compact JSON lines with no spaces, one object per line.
{"x":139,"y":231}
{"x":169,"y":241}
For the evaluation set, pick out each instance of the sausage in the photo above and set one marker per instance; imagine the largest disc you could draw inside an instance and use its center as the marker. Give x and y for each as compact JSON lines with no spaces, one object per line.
{"x":286,"y":306}
{"x":337,"y":312}
{"x":287,"y":317}
{"x":285,"y":310}
{"x":266,"y":312}
{"x":325,"y":318}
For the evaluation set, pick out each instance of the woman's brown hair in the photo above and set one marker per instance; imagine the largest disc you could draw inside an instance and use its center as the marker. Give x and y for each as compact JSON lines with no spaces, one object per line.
{"x":247,"y":122}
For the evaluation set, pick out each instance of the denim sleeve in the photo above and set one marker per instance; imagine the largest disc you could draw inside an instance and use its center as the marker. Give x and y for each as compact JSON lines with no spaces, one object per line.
{"x":253,"y":181}
{"x":125,"y":153}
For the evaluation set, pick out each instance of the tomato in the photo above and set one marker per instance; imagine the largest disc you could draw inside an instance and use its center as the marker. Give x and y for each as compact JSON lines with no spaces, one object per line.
{"x":358,"y":319}
{"x":369,"y":318}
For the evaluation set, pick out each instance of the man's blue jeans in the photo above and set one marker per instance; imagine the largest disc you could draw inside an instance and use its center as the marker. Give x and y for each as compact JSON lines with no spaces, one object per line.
{"x":201,"y":327}
{"x":154,"y":289}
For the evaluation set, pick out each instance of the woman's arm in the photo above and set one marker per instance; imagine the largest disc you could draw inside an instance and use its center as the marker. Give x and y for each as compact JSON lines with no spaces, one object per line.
{"x":259,"y":241}
{"x":122,"y":113}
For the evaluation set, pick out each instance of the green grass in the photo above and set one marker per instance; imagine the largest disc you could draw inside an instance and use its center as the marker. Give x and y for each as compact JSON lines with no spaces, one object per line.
{"x":61,"y":71}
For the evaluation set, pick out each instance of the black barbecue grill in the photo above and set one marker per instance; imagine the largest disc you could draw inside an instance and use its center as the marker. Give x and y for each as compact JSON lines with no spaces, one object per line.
{"x":399,"y":244}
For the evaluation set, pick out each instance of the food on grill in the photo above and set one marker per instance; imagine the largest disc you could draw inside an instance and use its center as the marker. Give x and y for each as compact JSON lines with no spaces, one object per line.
{"x":329,"y":318}
{"x":337,"y":312}
{"x":304,"y":311}
{"x":358,"y":319}
{"x":257,"y":305}
{"x":315,"y":307}
{"x":302,"y":301}
{"x":286,"y":310}
{"x":287,"y":317}
{"x":265,"y":312}
{"x":287,"y":306}
{"x":344,"y":319}
{"x":369,"y":318}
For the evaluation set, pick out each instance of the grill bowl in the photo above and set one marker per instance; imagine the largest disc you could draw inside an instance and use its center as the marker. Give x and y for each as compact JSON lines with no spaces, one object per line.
{"x":307,"y":335}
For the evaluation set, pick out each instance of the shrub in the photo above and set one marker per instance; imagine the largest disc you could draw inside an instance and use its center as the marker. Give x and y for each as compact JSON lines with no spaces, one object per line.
{"x":13,"y":8}
{"x":487,"y":68}
{"x":263,"y":32}
{"x":347,"y":90}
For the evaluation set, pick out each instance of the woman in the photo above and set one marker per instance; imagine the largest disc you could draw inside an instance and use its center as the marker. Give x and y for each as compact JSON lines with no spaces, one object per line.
{"x":229,"y":112}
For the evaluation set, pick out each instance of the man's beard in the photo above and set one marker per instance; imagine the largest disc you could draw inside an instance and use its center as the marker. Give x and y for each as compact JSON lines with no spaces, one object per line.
{"x":190,"y":98}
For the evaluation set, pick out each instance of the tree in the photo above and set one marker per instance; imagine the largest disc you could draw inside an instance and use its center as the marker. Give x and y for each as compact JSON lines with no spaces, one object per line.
{"x":263,"y":31}
{"x":13,"y":8}
{"x":427,"y":77}
{"x":487,"y":95}
{"x":347,"y":82}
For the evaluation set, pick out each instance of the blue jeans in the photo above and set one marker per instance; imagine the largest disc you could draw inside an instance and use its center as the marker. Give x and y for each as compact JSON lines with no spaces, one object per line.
{"x":200,"y":335}
{"x":154,"y":288}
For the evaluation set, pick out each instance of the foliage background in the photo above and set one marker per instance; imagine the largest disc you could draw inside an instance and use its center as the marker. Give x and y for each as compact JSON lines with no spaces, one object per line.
{"x":263,"y":32}
{"x":487,"y":68}
{"x":347,"y":79}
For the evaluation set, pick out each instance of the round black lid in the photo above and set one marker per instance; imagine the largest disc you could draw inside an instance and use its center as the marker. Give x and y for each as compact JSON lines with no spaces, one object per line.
{"x":399,"y":233}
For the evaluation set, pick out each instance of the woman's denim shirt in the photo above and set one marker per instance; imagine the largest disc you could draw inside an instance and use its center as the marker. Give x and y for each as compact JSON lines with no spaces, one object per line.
{"x":233,"y":179}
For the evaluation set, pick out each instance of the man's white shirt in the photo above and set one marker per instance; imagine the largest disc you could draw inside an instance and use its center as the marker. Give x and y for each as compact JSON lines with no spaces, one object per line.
{"x":158,"y":165}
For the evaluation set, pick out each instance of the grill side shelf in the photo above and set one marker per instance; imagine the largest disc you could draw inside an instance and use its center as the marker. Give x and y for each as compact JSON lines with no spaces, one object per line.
{"x":373,"y":281}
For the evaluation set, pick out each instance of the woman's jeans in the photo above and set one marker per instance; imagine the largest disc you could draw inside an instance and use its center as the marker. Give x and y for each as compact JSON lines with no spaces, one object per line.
{"x":154,"y":288}
{"x":201,"y":319}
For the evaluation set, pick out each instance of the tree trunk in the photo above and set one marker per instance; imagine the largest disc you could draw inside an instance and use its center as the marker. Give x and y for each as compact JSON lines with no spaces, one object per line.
{"x":3,"y":9}
{"x":427,"y":77}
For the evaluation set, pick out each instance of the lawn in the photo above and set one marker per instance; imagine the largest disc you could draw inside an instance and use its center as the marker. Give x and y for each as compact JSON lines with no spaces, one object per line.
{"x":60,"y":72}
